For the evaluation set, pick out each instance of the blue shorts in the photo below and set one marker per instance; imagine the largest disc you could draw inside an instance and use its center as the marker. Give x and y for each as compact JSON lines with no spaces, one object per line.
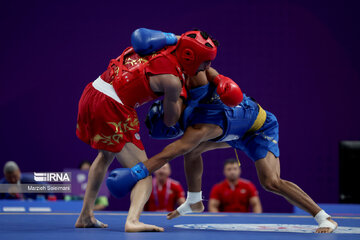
{"x":257,"y":144}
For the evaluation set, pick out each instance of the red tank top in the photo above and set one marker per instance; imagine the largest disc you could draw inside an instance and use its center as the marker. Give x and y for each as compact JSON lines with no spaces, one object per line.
{"x":129,"y":74}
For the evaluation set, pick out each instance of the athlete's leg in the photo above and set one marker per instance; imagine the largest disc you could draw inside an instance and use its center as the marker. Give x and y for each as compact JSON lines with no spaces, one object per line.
{"x":193,"y":165}
{"x":129,"y":156}
{"x":268,"y":170}
{"x":96,"y":176}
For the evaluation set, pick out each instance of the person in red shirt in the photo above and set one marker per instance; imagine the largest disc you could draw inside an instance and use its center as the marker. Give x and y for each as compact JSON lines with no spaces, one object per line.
{"x":167,"y":193}
{"x":234,"y":194}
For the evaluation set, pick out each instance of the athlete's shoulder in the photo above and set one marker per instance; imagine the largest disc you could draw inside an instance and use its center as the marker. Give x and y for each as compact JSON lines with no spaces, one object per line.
{"x":161,"y":64}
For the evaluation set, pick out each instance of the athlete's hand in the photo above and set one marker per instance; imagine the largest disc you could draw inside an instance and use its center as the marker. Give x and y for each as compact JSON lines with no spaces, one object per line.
{"x":229,"y":92}
{"x":157,"y":128}
{"x":122,"y":180}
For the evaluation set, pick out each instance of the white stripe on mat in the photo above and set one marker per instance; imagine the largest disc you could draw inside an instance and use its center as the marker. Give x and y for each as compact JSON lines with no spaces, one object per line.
{"x":13,"y":209}
{"x":39,"y":209}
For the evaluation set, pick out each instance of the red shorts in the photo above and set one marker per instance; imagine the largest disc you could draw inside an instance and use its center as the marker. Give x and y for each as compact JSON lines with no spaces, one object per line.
{"x":106,"y":124}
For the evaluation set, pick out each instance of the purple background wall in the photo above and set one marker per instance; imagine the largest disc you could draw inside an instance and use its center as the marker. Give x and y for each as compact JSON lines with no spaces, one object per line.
{"x":299,"y":59}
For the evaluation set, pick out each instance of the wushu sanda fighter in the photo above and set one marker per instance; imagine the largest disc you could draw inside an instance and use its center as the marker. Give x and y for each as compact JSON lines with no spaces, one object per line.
{"x":246,"y":127}
{"x":107,"y":119}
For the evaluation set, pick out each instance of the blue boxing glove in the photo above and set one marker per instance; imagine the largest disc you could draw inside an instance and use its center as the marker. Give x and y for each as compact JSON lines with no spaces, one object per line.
{"x":122,"y":180}
{"x":146,"y":41}
{"x":157,"y":128}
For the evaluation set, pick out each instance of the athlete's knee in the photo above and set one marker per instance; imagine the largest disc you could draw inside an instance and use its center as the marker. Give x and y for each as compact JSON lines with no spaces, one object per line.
{"x":189,"y":157}
{"x":105,"y":157}
{"x":271,"y":184}
{"x":194,"y":154}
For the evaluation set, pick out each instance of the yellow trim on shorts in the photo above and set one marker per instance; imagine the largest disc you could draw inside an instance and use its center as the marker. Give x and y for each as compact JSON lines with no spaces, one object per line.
{"x":260,"y":120}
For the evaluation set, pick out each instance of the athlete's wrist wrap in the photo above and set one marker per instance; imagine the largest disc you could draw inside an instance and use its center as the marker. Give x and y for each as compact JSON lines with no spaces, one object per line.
{"x":192,"y":197}
{"x":140,"y":171}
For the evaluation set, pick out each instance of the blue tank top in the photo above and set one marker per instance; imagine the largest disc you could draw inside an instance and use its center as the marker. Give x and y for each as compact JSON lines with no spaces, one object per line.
{"x":204,"y":106}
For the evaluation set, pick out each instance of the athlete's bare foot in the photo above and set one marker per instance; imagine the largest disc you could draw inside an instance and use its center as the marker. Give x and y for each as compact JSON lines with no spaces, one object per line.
{"x":196,"y":207}
{"x":327,"y":229}
{"x":89,"y":222}
{"x":141,"y":227}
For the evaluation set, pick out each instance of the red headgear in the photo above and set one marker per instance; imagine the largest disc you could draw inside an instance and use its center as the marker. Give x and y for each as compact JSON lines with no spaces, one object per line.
{"x":193,"y":49}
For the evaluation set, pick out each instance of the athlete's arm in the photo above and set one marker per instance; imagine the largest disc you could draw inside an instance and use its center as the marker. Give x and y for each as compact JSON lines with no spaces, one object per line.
{"x":122,"y":180}
{"x":211,"y":74}
{"x":214,"y":205}
{"x":204,"y":147}
{"x":193,"y":136}
{"x":172,"y":103}
{"x":255,"y":204}
{"x":171,"y":86}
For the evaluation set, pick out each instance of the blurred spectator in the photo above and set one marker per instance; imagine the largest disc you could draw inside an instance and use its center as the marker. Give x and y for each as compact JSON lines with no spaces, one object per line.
{"x":234,"y":194}
{"x":101,"y":202}
{"x":166,"y":193}
{"x":13,"y":175}
{"x":85,"y":165}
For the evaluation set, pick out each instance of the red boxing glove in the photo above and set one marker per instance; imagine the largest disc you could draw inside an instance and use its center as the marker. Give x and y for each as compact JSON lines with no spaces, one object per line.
{"x":183,"y":93}
{"x":229,"y":92}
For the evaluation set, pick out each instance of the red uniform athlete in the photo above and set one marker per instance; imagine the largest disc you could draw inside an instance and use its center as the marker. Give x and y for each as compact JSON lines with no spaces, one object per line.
{"x":107,"y":119}
{"x":122,"y":88}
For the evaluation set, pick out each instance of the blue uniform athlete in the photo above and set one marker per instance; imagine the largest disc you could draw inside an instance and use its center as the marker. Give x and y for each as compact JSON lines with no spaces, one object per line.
{"x":208,"y":124}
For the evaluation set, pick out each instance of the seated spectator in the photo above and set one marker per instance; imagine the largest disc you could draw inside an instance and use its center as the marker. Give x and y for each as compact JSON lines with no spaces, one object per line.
{"x":85,"y":165}
{"x":166,"y":193}
{"x":101,"y":202}
{"x":234,"y":194}
{"x":12,"y":175}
